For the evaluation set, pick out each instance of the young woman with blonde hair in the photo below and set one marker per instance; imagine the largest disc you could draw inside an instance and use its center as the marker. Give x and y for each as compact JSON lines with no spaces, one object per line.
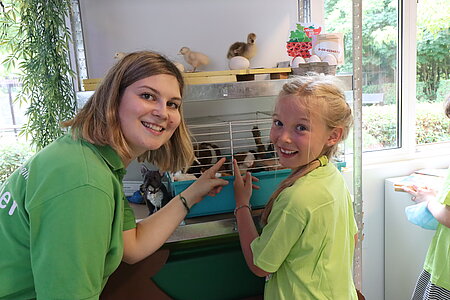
{"x":65,"y":224}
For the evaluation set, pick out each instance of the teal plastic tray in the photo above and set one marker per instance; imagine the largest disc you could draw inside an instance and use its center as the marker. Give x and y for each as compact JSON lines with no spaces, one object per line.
{"x":224,"y":201}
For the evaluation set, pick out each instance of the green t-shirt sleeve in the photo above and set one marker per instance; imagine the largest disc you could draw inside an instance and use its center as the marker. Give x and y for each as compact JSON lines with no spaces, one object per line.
{"x":444,"y":196}
{"x":446,"y":200}
{"x":129,"y":219}
{"x":278,"y":237}
{"x":70,"y":236}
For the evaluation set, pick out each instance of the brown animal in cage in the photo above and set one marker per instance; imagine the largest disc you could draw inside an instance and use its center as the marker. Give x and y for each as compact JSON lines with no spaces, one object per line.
{"x":206,"y":155}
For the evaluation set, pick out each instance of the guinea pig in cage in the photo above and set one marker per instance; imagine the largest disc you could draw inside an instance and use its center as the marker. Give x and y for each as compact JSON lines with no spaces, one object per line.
{"x":245,"y":140}
{"x":241,"y":137}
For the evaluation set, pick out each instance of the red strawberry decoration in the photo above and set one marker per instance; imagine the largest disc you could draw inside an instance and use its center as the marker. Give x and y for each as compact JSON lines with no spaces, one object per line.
{"x":300,"y":41}
{"x":295,"y":49}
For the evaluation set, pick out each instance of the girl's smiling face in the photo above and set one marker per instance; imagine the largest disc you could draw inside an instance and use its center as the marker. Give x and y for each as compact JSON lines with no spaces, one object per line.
{"x":298,"y":134}
{"x":149,"y":112}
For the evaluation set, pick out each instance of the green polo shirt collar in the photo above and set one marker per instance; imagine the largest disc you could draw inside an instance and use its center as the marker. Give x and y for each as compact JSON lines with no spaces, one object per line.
{"x":111,"y":157}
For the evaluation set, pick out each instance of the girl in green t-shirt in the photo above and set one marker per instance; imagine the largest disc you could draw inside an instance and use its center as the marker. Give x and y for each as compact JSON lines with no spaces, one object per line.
{"x":434,"y":281}
{"x":306,"y":246}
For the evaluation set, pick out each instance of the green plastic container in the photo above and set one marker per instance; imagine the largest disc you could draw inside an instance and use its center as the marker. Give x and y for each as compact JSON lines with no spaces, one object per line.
{"x":208,"y":272}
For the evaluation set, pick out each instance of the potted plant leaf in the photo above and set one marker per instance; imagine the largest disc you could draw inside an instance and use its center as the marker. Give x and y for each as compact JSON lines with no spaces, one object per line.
{"x":35,"y":35}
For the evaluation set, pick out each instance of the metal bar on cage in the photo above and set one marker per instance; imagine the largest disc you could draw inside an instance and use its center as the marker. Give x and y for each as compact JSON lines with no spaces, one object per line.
{"x":231,"y":145}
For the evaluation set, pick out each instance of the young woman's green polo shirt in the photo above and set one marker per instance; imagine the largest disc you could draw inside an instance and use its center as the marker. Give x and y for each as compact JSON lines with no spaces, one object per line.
{"x":437,"y":262}
{"x":308,"y":242}
{"x":61,"y":220}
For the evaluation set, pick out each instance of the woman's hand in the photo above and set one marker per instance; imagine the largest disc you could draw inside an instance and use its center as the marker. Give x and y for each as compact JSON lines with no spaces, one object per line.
{"x":243,"y":186}
{"x":152,"y":232}
{"x":247,"y":230}
{"x":206,"y":184}
{"x":420,"y":194}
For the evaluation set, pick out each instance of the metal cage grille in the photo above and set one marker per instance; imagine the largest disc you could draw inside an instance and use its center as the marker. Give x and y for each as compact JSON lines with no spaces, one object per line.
{"x":243,"y":137}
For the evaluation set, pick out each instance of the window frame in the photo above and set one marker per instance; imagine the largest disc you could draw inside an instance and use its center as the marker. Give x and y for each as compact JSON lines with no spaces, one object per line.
{"x":406,"y":93}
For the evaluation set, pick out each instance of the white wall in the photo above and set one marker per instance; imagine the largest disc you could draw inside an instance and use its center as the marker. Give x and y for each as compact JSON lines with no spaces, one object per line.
{"x":207,"y":26}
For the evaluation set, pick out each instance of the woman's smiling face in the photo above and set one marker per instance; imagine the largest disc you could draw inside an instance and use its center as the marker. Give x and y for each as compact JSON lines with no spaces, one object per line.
{"x":298,"y":135}
{"x":149,"y":112}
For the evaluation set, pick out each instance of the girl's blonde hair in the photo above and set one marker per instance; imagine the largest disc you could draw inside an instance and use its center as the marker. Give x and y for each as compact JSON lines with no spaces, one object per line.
{"x":98,"y":120}
{"x":322,"y":95}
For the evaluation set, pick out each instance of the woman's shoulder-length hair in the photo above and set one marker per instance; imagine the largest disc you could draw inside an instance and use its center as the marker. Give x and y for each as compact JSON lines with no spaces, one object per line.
{"x":98,"y":120}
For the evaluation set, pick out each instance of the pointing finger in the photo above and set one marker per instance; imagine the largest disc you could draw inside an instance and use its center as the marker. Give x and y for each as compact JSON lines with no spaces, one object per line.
{"x":236,"y":172}
{"x":255,"y":179}
{"x":248,"y":179}
{"x":213,"y":170}
{"x":217,"y":165}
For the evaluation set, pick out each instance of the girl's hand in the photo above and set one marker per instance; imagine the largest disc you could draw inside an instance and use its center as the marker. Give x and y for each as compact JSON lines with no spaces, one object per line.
{"x":206,"y":184}
{"x":243,"y":186}
{"x":420,"y":194}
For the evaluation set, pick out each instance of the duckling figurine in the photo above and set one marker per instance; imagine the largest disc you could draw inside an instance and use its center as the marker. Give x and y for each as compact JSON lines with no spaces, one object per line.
{"x":247,"y":50}
{"x":195,"y":59}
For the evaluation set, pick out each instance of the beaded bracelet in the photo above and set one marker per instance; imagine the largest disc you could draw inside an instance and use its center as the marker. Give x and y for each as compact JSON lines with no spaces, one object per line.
{"x":183,"y":200}
{"x":241,"y":206}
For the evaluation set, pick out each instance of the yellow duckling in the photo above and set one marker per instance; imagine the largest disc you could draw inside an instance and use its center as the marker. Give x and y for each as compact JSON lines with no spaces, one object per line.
{"x":195,"y":59}
{"x":247,"y":50}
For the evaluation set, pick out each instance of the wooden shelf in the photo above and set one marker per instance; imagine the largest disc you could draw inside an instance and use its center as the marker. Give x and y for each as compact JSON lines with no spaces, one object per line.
{"x":225,"y":90}
{"x":234,"y":75}
{"x":215,"y":76}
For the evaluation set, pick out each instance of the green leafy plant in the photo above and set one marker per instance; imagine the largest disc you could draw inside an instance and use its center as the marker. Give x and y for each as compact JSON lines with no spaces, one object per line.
{"x":431,"y":124}
{"x":380,"y":42}
{"x":35,"y":34}
{"x":12,"y":156}
{"x":299,"y":35}
{"x":433,"y":62}
{"x":380,"y":123}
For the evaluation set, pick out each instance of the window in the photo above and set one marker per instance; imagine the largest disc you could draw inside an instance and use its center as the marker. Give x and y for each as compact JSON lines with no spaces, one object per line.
{"x":390,"y":121}
{"x":14,"y":148}
{"x":380,"y":66}
{"x":12,"y":115}
{"x":433,"y":69}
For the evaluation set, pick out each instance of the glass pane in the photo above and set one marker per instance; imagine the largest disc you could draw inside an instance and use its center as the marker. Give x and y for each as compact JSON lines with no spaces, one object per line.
{"x":380,"y":42}
{"x":433,"y":68}
{"x":14,"y":148}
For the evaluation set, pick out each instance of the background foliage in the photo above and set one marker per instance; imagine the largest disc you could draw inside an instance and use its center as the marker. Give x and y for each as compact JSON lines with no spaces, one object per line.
{"x":12,"y":156}
{"x":34,"y":34}
{"x":381,"y":125}
{"x":380,"y":40}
